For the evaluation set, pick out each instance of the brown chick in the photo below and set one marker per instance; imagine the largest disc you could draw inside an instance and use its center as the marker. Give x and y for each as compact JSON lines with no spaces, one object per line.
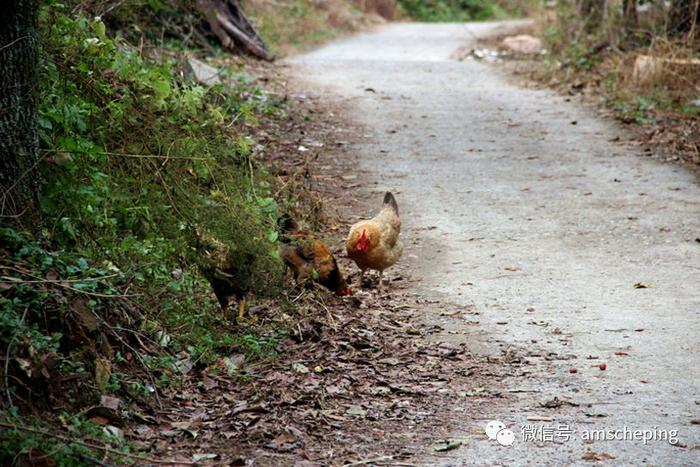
{"x":310,"y":259}
{"x":375,"y":244}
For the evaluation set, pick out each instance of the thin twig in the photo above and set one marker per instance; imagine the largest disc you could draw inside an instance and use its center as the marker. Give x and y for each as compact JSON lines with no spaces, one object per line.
{"x":138,"y":334}
{"x":12,"y":280}
{"x":136,"y":352}
{"x":16,"y":182}
{"x":137,"y":156}
{"x":13,"y":43}
{"x":328,"y":312}
{"x":370,"y":461}
{"x":7,"y":357}
{"x":92,"y":446}
{"x":303,"y":291}
{"x":59,"y":284}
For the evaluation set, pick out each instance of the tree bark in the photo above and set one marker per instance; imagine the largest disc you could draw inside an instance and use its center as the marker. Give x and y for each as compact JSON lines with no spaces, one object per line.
{"x":19,"y":81}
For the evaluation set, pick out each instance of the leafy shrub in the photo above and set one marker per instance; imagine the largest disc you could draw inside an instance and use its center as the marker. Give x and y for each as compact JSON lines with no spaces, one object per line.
{"x":448,"y":10}
{"x":134,"y":158}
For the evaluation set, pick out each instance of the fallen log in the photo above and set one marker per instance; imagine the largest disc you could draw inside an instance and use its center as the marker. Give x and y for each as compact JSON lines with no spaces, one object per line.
{"x":232,"y":27}
{"x":648,"y":68}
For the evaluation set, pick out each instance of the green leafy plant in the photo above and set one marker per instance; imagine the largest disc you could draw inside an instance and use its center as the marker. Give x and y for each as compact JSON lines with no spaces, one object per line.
{"x":639,"y":109}
{"x":134,"y":158}
{"x":449,"y":10}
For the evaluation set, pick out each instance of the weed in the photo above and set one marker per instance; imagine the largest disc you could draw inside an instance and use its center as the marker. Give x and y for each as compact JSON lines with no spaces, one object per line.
{"x":448,"y":10}
{"x":134,"y":157}
{"x":24,"y":441}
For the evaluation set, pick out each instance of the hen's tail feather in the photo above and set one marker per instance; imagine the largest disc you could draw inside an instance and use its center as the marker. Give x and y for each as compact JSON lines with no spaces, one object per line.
{"x":389,"y":199}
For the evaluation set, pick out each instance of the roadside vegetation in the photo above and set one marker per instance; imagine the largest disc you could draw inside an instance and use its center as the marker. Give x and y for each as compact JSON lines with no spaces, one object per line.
{"x":450,"y":10}
{"x":101,"y":290}
{"x":642,"y":58}
{"x":142,"y":168}
{"x":103,"y":300}
{"x":465,"y":10}
{"x":295,"y":25}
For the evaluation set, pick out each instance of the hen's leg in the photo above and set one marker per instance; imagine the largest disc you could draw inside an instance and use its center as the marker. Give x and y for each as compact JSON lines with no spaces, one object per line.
{"x":362,"y":276}
{"x":381,"y":279}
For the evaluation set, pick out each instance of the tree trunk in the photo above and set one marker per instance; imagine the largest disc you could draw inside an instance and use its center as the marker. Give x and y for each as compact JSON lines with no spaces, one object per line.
{"x":629,"y":12}
{"x":18,"y":101}
{"x":232,"y":27}
{"x":683,"y":18}
{"x":592,"y":14}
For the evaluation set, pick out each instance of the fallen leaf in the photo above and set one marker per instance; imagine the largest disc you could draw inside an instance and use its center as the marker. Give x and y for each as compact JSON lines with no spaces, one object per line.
{"x":447,"y":445}
{"x":539,"y":418}
{"x":104,"y":413}
{"x":114,"y":432}
{"x":84,"y":315}
{"x":97,"y":420}
{"x":556,"y":403}
{"x":389,"y":361}
{"x":283,"y":442}
{"x":204,"y":457}
{"x":209,"y":383}
{"x":356,"y":411}
{"x":144,"y":418}
{"x":111,"y":402}
{"x":103,"y":373}
{"x":596,"y":456}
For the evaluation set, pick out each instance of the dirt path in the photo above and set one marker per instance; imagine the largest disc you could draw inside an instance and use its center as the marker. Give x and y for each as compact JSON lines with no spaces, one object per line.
{"x":520,"y":212}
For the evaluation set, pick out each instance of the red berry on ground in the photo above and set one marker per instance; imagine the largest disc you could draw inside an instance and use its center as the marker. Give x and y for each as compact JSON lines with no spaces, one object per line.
{"x":602,"y":366}
{"x":573,"y":370}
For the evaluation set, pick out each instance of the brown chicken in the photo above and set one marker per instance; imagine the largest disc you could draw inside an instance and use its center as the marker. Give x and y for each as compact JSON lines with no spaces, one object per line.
{"x":310,"y":259}
{"x":228,"y":275}
{"x":374,"y":244}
